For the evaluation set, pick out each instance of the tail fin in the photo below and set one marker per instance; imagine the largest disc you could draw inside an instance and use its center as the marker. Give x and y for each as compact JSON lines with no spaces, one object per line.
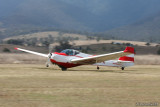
{"x":128,"y":57}
{"x":129,"y":50}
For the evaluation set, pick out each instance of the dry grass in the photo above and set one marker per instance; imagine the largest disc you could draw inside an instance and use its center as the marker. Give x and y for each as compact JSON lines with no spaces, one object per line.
{"x":13,"y":58}
{"x":90,"y":42}
{"x":29,"y":85}
{"x":147,"y":59}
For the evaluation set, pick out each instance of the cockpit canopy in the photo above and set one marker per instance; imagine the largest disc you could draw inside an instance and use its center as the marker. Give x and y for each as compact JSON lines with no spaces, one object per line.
{"x":70,"y":52}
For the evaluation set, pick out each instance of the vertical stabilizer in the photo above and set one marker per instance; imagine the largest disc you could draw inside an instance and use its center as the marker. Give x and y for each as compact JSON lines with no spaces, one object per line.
{"x":130,"y":57}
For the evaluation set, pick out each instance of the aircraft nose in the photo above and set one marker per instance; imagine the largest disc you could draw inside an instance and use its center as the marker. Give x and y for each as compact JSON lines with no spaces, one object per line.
{"x":53,"y":55}
{"x":50,"y":55}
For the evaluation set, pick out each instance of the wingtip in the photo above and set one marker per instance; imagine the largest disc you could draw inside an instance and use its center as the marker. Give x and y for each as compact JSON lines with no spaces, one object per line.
{"x":16,"y":48}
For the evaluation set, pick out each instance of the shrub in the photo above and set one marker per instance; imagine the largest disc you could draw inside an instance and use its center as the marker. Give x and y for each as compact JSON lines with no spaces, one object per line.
{"x":63,"y":45}
{"x":6,"y":50}
{"x":15,"y":42}
{"x":147,"y":44}
{"x":158,"y":52}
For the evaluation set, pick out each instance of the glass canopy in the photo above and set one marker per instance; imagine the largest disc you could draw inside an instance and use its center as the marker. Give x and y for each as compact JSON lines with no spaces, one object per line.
{"x":70,"y":52}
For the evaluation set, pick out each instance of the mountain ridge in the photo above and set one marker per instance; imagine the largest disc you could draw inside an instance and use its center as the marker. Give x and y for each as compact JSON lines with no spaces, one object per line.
{"x":147,"y":29}
{"x":84,"y":15}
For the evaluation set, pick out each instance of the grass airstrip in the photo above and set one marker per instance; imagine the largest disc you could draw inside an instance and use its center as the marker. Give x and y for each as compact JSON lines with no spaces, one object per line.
{"x":26,"y":85}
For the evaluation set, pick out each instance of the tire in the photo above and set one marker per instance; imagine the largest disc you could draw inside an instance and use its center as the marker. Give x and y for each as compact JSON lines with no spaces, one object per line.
{"x":63,"y":69}
{"x":98,"y":68}
{"x":47,"y":65}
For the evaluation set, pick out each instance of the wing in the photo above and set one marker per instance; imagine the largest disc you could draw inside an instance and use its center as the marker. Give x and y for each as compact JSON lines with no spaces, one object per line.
{"x":32,"y":52}
{"x":103,"y":57}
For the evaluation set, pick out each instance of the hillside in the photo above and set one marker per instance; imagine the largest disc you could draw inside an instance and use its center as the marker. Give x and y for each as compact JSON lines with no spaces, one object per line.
{"x":54,"y":34}
{"x":84,"y":44}
{"x":147,"y":29}
{"x":76,"y":39}
{"x":44,"y":39}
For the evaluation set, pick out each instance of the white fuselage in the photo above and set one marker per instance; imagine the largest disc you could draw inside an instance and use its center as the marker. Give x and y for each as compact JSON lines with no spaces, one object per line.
{"x":65,"y":60}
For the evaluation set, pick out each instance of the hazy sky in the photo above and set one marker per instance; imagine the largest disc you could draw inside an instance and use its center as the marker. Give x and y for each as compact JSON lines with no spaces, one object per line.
{"x":97,"y":15}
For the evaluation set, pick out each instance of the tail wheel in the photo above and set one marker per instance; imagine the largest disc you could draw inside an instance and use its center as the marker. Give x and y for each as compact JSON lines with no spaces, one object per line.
{"x":122,"y":68}
{"x":47,"y":65}
{"x":98,"y":68}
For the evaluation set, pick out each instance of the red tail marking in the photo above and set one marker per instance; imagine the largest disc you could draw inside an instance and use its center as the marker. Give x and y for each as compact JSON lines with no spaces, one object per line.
{"x":129,"y":50}
{"x":125,"y":58}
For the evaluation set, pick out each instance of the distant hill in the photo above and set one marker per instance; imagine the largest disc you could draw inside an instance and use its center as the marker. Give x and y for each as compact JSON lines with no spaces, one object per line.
{"x":53,"y":34}
{"x":147,"y":29}
{"x":44,"y":39}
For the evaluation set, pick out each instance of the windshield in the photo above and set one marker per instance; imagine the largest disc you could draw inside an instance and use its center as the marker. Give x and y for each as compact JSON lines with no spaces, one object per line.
{"x":70,"y":52}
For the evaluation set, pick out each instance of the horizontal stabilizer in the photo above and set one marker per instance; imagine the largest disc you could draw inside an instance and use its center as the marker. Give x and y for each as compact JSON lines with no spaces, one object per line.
{"x":103,"y":57}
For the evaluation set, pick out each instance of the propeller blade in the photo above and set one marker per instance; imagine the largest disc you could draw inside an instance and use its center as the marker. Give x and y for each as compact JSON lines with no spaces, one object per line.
{"x":48,"y":62}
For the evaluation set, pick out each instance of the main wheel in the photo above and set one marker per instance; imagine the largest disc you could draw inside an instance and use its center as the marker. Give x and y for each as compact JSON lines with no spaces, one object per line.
{"x":98,"y":67}
{"x":63,"y":68}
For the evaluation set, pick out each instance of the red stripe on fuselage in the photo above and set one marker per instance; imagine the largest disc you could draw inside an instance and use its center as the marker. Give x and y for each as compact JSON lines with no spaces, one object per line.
{"x":125,"y":58}
{"x":60,"y":54}
{"x":66,"y":65}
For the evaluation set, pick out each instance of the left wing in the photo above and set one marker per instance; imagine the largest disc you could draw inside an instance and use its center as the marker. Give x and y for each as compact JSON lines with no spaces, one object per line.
{"x":103,"y":57}
{"x":32,"y":52}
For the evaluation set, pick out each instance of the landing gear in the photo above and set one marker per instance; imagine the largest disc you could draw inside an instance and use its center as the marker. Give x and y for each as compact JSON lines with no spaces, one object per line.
{"x":63,"y":69}
{"x":98,"y":68}
{"x":122,"y":68}
{"x":47,"y":65}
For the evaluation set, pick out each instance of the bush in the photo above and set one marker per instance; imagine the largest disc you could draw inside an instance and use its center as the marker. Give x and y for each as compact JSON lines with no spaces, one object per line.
{"x":15,"y":42}
{"x":158,"y":52}
{"x":6,"y":50}
{"x":148,"y":44}
{"x":63,"y":45}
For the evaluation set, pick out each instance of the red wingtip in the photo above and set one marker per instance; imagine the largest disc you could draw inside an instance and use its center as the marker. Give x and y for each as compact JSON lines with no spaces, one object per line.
{"x":16,"y":48}
{"x":129,"y":50}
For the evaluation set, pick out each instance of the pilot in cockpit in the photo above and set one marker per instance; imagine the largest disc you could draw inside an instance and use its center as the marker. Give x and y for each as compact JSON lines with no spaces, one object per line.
{"x":70,"y":52}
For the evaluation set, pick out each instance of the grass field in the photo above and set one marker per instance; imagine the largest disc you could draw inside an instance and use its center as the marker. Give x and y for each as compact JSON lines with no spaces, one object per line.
{"x":26,"y":85}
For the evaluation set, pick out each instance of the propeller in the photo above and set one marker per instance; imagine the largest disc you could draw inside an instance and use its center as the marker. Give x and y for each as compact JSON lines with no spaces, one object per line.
{"x":48,"y":62}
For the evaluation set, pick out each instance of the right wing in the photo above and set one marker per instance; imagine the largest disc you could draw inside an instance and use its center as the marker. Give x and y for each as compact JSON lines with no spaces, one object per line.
{"x":32,"y":52}
{"x":103,"y":57}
